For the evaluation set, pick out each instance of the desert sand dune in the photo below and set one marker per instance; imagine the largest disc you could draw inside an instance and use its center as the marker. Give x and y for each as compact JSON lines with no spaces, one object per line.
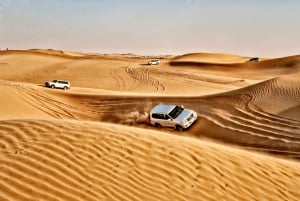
{"x":71,"y":160}
{"x":238,"y":65}
{"x":115,"y":73}
{"x":236,"y":116}
{"x":94,"y":141}
{"x":211,"y":58}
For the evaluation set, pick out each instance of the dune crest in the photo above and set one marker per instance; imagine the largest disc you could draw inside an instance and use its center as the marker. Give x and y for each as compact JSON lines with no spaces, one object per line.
{"x":220,"y":58}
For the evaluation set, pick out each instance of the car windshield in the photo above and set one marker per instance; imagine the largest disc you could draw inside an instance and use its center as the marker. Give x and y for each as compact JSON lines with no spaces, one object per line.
{"x":176,"y":112}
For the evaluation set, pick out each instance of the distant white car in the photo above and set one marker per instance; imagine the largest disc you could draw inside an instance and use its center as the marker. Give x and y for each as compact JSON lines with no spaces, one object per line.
{"x":173,"y":116}
{"x":154,"y":62}
{"x":62,"y":84}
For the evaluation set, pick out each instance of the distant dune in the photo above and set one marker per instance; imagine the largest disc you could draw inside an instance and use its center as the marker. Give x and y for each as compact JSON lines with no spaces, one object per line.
{"x":95,"y":142}
{"x":211,"y":58}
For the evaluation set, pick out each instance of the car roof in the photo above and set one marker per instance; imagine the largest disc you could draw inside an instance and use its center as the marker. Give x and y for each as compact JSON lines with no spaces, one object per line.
{"x":162,"y":108}
{"x":60,"y":80}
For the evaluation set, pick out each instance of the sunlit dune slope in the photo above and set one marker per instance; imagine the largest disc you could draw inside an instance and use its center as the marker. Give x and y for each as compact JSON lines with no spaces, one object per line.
{"x":244,"y":117}
{"x":113,"y":72}
{"x":255,"y":109}
{"x":279,"y":96}
{"x":132,"y":74}
{"x":16,"y":102}
{"x":247,"y":117}
{"x":237,"y":65}
{"x":211,"y":58}
{"x":72,"y":160}
{"x":77,"y":144}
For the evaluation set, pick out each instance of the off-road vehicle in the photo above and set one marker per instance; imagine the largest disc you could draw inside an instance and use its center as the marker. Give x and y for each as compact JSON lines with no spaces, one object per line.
{"x":173,"y":116}
{"x":154,"y":62}
{"x":58,"y":84}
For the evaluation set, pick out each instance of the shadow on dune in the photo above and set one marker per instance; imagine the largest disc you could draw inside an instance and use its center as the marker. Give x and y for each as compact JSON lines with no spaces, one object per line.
{"x":200,"y":64}
{"x":284,"y":63}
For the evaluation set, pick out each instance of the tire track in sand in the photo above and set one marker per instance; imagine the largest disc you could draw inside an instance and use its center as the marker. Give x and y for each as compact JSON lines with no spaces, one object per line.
{"x":142,"y":77}
{"x":50,"y":105}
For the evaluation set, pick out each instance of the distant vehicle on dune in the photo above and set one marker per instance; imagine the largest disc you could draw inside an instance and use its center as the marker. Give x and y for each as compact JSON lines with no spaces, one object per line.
{"x":62,"y":84}
{"x":154,"y":62}
{"x":254,"y":59}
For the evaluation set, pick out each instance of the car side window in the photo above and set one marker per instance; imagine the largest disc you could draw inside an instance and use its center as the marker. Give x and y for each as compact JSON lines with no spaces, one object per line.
{"x":161,"y":116}
{"x":62,"y":82}
{"x":158,"y":116}
{"x":155,"y":116}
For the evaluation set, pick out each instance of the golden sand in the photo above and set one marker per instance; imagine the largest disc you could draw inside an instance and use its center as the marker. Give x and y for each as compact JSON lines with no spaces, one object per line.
{"x":94,"y":141}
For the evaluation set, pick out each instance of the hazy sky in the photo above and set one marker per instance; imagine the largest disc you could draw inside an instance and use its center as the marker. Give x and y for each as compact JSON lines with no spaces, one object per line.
{"x":245,"y":27}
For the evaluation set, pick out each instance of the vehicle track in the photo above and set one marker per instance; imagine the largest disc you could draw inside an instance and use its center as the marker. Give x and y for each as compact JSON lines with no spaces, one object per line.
{"x":50,"y":105}
{"x":143,"y":77}
{"x":121,"y":84}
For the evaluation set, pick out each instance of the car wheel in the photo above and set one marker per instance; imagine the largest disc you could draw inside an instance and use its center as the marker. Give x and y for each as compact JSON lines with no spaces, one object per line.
{"x":52,"y":86}
{"x":157,"y":125}
{"x":65,"y":88}
{"x":179,"y":128}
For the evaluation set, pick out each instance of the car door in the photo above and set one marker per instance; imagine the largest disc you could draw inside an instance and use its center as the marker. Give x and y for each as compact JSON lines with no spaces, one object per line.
{"x":60,"y":84}
{"x":161,"y":120}
{"x":169,"y":121}
{"x":165,"y":120}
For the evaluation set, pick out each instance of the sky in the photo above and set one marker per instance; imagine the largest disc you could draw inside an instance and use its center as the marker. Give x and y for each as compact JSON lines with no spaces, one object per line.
{"x":265,"y":28}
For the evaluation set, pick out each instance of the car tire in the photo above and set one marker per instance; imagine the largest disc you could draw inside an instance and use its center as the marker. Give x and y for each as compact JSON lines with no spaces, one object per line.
{"x":179,"y":128}
{"x":52,"y":86}
{"x":157,"y":125}
{"x":65,"y":88}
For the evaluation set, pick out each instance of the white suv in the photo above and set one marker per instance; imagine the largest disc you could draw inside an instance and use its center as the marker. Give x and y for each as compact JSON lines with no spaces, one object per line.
{"x":154,"y":62}
{"x":173,"y":116}
{"x":58,"y":84}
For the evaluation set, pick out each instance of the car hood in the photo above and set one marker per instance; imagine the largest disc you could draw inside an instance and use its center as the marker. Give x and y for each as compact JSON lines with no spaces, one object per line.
{"x":184,"y":115}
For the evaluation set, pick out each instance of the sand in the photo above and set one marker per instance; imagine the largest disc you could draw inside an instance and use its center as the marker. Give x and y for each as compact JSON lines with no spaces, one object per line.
{"x":94,"y":141}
